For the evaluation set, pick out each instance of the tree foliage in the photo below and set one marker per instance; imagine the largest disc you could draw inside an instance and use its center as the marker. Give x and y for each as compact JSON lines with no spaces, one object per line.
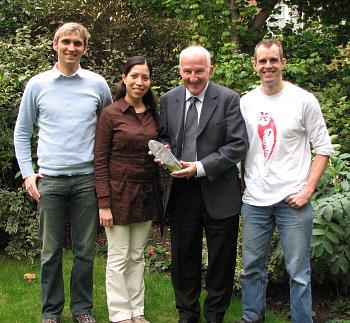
{"x":118,"y":30}
{"x":214,"y":22}
{"x":334,"y":13}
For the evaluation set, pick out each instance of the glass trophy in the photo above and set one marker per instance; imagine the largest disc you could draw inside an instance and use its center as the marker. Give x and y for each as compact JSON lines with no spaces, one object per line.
{"x":165,"y":155}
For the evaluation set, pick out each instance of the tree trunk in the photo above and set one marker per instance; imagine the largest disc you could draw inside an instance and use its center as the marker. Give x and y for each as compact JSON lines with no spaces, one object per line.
{"x":256,"y":28}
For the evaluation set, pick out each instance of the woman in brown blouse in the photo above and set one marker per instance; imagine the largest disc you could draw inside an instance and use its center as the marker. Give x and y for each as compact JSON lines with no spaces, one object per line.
{"x":127,"y":187}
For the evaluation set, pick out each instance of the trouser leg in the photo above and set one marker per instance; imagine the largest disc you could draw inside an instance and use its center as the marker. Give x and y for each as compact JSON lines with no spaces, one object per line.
{"x":118,"y":237}
{"x":84,"y":221}
{"x":258,"y":226}
{"x":53,"y":208}
{"x":186,"y":228}
{"x":295,"y":227}
{"x":136,"y":265}
{"x":221,"y":236}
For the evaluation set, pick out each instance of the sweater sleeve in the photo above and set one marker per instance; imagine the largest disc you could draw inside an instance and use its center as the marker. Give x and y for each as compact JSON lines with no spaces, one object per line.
{"x":24,"y":130}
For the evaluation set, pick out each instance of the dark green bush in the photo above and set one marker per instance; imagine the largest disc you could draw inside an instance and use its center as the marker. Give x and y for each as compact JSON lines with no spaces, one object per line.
{"x":19,"y":218}
{"x":21,"y":57}
{"x":331,"y":233}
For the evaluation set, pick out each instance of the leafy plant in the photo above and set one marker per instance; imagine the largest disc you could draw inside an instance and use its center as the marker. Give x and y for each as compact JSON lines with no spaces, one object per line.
{"x":234,"y":69}
{"x":101,"y":245}
{"x":19,"y":218}
{"x":17,"y":53}
{"x":157,"y":258}
{"x":342,"y":306}
{"x":331,"y":233}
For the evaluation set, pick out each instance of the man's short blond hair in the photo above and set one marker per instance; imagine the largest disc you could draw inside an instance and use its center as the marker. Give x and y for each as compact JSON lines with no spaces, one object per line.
{"x":72,"y":27}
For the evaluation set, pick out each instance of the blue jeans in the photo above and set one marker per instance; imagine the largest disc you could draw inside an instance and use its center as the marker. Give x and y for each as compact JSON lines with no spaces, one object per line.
{"x":64,"y":196}
{"x":295,"y":228}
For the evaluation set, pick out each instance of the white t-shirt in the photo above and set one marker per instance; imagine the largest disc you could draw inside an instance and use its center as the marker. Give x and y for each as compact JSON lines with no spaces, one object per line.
{"x":280,"y":129}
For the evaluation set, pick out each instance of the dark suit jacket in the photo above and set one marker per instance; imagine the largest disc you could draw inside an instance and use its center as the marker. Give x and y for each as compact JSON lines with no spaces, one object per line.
{"x":221,"y":143}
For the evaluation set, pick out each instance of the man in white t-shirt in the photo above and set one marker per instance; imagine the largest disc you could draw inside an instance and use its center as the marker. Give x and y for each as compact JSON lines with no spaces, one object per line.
{"x":280,"y":176}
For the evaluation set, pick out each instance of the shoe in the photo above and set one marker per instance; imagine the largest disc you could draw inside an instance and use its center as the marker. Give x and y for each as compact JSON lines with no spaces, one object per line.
{"x":124,"y":321}
{"x":84,"y":318}
{"x":139,"y":319}
{"x":243,"y":320}
{"x":186,"y":321}
{"x":55,"y":319}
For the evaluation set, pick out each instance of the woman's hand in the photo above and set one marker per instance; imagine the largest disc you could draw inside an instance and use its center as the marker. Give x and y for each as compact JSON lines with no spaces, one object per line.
{"x":106,"y":218}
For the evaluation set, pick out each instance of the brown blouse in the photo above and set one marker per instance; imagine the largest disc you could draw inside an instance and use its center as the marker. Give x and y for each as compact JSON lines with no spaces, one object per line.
{"x":126,"y":176}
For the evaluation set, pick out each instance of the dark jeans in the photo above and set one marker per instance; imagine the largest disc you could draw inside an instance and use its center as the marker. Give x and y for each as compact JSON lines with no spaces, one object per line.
{"x":64,"y":196}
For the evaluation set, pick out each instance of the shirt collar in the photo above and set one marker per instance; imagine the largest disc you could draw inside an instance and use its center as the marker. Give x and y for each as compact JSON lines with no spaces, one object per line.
{"x":57,"y":73}
{"x":200,"y":96}
{"x":125,"y":105}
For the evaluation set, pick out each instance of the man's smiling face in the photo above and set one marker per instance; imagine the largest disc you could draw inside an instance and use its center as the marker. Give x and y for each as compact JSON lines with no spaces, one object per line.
{"x":269,"y":64}
{"x":70,"y":48}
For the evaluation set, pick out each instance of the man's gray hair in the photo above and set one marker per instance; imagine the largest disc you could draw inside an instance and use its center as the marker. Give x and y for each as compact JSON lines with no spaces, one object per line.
{"x":195,"y":50}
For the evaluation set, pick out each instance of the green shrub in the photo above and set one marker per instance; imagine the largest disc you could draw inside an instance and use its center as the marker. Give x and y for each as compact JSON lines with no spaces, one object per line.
{"x":331,"y":238}
{"x":19,"y":218}
{"x":234,"y":69}
{"x":21,"y":56}
{"x":334,"y":98}
{"x":331,"y":232}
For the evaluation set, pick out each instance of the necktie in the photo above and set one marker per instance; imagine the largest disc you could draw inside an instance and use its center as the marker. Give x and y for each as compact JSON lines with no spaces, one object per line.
{"x":190,"y":133}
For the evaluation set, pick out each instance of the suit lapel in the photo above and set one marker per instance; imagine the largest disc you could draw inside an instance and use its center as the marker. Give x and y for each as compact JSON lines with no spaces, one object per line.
{"x":179,"y":117}
{"x":208,"y":108}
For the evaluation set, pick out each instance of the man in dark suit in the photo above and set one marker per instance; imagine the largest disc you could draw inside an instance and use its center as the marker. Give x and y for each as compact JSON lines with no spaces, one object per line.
{"x":205,"y":193}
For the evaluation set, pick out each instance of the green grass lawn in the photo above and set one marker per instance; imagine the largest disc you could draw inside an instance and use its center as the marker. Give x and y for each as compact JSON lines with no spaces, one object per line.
{"x":20,"y":300}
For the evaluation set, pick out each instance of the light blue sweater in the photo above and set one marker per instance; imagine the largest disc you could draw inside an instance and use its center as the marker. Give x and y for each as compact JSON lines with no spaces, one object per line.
{"x":66,"y":110}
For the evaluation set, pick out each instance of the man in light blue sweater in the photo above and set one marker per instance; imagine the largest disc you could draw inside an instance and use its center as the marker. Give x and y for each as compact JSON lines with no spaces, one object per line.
{"x":64,"y":102}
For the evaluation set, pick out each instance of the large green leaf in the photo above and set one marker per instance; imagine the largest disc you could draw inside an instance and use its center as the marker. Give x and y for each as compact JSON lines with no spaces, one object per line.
{"x":346,"y":205}
{"x":345,"y":185}
{"x":328,"y":212}
{"x":316,"y":240}
{"x":318,"y":232}
{"x":319,"y":221}
{"x":319,"y":250}
{"x":332,"y":237}
{"x":343,"y":264}
{"x":328,"y":246}
{"x":337,"y":228}
{"x":334,"y":268}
